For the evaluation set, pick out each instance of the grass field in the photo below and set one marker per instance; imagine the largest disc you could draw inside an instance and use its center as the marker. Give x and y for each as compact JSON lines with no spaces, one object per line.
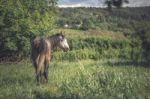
{"x":75,"y":80}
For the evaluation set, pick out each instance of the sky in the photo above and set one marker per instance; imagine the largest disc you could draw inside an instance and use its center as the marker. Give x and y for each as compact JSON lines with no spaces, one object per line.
{"x":99,"y":3}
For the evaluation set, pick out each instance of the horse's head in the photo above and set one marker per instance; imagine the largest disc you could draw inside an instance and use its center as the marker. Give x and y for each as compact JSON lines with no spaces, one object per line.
{"x":62,"y":42}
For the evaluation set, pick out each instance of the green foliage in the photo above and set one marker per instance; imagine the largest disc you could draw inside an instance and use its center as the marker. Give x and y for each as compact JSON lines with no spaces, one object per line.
{"x":98,"y":48}
{"x":22,"y":20}
{"x":118,"y":20}
{"x":119,"y":34}
{"x":133,"y":23}
{"x":143,"y":34}
{"x":87,"y":24}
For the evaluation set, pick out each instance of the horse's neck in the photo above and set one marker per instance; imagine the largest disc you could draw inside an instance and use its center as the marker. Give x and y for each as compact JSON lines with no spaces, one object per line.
{"x":53,"y":42}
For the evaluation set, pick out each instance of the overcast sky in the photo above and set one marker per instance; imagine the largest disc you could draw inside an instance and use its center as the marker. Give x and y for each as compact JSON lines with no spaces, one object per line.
{"x":99,"y":3}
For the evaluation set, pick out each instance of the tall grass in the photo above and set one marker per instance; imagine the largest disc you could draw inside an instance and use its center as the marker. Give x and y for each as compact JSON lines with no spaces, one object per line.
{"x":75,"y":80}
{"x":101,"y":47}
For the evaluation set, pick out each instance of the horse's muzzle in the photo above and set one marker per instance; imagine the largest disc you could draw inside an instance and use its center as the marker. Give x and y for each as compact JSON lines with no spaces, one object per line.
{"x":66,"y":49}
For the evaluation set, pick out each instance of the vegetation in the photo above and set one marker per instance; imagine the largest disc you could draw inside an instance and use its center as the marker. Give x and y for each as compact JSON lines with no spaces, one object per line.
{"x":93,"y":32}
{"x":81,"y":79}
{"x":20,"y":22}
{"x":104,"y":28}
{"x":108,"y":51}
{"x":125,"y":19}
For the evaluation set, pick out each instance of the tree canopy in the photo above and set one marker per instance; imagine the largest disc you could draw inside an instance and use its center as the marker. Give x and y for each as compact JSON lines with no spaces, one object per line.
{"x":22,"y":20}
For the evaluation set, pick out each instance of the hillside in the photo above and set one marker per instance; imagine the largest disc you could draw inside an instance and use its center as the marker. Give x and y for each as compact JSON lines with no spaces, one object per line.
{"x":125,"y":19}
{"x":98,"y":32}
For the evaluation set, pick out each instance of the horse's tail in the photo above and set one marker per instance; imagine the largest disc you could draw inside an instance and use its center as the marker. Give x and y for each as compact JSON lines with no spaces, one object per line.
{"x":38,"y":47}
{"x":35,"y":48}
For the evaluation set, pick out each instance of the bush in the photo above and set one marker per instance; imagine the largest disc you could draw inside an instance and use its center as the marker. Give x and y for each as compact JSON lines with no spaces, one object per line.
{"x":99,"y":48}
{"x":21,"y":21}
{"x":87,"y":24}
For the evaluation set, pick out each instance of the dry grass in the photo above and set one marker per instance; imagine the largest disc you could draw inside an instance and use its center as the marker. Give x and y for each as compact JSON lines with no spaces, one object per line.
{"x":106,"y":34}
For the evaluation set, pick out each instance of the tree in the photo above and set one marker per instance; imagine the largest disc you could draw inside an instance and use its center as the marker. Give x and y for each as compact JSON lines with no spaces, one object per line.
{"x":22,"y":20}
{"x":115,"y":3}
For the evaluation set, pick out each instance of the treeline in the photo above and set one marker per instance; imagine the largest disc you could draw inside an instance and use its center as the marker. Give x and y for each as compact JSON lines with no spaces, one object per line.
{"x":21,"y":21}
{"x":116,"y":20}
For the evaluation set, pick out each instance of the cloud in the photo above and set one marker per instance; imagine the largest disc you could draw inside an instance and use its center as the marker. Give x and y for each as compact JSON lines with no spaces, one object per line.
{"x":99,"y":3}
{"x":138,"y":3}
{"x":71,"y":5}
{"x":81,"y":3}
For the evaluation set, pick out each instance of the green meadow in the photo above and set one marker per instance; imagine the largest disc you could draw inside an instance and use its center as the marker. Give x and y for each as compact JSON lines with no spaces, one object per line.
{"x":85,"y":79}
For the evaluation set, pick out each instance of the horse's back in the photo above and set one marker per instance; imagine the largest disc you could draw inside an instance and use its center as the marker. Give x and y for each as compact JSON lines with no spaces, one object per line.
{"x":40,"y":46}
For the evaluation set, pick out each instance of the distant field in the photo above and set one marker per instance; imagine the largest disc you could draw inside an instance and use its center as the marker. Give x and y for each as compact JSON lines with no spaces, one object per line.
{"x":75,"y":80}
{"x":74,"y":33}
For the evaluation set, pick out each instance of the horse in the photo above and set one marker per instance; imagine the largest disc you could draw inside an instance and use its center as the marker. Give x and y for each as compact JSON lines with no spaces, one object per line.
{"x":41,"y":53}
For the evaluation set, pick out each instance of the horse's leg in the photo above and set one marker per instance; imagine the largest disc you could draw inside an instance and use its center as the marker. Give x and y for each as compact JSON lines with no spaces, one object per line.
{"x":38,"y":68}
{"x":36,"y":71}
{"x":46,"y":69}
{"x":38,"y":77}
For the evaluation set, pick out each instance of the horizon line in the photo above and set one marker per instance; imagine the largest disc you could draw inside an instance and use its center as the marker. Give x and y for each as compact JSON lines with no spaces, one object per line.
{"x":72,"y":6}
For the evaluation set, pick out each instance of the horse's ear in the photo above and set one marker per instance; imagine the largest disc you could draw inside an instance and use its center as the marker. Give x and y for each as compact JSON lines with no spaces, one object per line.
{"x":63,"y":33}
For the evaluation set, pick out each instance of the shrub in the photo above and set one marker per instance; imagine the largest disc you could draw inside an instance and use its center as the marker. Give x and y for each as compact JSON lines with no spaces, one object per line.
{"x":21,"y":21}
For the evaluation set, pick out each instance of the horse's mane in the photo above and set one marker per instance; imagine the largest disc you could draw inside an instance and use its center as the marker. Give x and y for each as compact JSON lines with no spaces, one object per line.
{"x":56,"y":35}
